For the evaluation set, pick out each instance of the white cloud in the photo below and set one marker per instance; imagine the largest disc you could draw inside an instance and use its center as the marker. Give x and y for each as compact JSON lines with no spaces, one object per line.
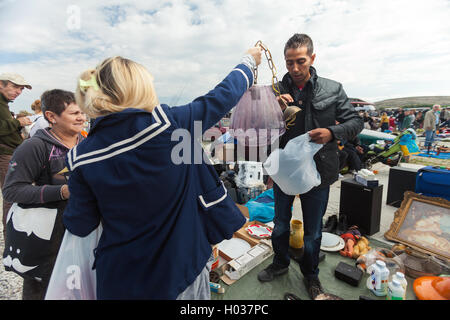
{"x":377,"y":49}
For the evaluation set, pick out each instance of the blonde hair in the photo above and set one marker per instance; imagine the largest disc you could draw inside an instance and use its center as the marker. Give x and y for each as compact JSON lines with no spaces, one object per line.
{"x":122,"y":84}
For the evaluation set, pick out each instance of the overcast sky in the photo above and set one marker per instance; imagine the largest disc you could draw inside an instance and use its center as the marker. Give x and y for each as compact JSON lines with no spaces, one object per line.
{"x":376,"y":49}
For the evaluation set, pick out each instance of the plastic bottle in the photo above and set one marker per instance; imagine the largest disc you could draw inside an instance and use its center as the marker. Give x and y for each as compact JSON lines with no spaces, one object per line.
{"x":378,"y":280}
{"x":395,"y":291}
{"x":400,"y":277}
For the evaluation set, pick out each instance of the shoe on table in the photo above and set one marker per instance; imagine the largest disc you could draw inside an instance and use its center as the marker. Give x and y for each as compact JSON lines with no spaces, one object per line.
{"x":270,"y":272}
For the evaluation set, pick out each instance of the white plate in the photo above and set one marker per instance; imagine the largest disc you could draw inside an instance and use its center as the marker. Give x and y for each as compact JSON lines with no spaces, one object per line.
{"x":234,"y":247}
{"x":331,"y":242}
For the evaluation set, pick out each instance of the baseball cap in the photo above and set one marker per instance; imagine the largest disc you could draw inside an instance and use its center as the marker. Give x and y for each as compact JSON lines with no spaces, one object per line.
{"x":15,"y":78}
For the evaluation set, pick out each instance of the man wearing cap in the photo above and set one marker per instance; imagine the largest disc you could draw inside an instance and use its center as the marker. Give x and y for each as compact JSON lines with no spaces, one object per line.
{"x":11,"y":86}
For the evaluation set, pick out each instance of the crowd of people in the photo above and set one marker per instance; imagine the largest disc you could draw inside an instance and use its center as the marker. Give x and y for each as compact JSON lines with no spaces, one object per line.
{"x":401,"y":119}
{"x":428,"y":121}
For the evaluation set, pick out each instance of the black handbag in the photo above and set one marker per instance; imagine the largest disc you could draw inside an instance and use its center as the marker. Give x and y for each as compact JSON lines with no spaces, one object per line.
{"x":33,"y":238}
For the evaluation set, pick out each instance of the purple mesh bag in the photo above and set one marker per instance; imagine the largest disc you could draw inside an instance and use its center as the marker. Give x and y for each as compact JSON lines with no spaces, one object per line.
{"x":257,"y":119}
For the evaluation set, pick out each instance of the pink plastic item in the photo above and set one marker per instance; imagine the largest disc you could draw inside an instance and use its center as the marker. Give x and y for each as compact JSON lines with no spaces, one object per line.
{"x":257,"y":119}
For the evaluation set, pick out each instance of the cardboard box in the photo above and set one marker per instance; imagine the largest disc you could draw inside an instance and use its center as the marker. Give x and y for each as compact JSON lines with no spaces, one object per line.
{"x":243,"y":234}
{"x":244,"y":210}
{"x":252,"y":242}
{"x":260,"y":250}
{"x":238,"y":267}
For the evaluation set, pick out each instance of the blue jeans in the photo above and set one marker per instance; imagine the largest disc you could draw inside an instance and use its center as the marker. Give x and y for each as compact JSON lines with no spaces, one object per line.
{"x":429,"y":137}
{"x":314,"y":204}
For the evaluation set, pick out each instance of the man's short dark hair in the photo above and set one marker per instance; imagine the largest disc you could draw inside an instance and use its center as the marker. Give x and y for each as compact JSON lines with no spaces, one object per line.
{"x":299,"y":40}
{"x":56,"y":100}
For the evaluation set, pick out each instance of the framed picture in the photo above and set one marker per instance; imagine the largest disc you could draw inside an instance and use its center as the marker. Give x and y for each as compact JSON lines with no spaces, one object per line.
{"x":423,"y":223}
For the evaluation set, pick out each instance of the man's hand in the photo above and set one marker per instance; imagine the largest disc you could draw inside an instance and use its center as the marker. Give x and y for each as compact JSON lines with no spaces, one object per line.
{"x":256,"y":53}
{"x":320,"y":135}
{"x":359,"y":149}
{"x":284,"y":100}
{"x":24,"y":121}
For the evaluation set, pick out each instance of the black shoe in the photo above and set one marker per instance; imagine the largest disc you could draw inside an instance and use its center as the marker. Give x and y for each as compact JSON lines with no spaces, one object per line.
{"x":342,"y":225}
{"x":331,"y":224}
{"x":313,"y":287}
{"x":270,"y":272}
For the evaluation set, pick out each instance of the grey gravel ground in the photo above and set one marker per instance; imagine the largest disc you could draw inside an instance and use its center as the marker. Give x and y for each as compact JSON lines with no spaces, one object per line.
{"x":10,"y":283}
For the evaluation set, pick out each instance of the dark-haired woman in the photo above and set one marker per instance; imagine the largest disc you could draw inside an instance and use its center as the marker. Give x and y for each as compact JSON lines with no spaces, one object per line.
{"x":34,"y":175}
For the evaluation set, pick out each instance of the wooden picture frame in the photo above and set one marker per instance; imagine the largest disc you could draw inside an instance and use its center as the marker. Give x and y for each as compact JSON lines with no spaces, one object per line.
{"x":423,"y":223}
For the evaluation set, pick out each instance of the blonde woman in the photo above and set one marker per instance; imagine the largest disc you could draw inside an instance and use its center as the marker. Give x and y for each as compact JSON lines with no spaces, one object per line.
{"x":155,"y":211}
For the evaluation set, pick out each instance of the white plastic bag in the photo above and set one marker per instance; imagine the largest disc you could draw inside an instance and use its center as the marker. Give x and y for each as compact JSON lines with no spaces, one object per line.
{"x":72,"y":277}
{"x":293,"y":168}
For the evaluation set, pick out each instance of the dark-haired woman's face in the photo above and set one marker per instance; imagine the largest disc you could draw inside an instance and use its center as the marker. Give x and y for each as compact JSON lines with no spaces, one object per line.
{"x":71,"y":120}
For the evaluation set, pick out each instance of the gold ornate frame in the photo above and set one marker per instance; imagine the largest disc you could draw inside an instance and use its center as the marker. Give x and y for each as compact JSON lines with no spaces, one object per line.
{"x":396,"y":232}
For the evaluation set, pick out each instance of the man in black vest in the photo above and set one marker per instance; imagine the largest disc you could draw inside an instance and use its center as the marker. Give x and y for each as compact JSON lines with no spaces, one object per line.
{"x":322,"y":103}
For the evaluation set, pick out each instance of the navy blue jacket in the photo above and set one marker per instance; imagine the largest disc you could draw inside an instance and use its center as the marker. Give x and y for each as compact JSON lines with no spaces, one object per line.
{"x":159,"y":218}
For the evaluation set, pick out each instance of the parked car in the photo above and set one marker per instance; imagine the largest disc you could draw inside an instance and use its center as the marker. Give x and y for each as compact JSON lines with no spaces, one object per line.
{"x":361,"y":105}
{"x":217,"y":130}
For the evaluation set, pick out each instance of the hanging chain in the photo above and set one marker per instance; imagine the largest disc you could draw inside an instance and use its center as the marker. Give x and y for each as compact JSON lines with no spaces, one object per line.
{"x":272,"y":67}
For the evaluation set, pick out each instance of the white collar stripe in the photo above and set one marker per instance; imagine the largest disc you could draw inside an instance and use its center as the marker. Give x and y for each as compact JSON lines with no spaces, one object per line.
{"x":126,"y":141}
{"x":138,"y":139}
{"x":133,"y":146}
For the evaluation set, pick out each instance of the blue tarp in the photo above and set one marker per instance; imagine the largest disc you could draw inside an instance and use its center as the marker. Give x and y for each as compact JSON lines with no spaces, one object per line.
{"x":432,"y":154}
{"x":262,"y":208}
